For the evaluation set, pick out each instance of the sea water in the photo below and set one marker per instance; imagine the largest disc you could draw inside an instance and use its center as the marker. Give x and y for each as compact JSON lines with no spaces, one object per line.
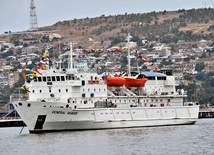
{"x":166,"y":140}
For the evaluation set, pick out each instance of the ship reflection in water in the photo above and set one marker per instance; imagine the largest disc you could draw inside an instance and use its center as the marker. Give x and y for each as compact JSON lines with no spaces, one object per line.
{"x":186,"y":139}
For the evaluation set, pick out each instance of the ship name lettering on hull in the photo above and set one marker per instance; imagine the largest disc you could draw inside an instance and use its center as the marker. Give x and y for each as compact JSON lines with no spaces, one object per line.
{"x":58,"y":112}
{"x":63,"y":112}
{"x":72,"y":113}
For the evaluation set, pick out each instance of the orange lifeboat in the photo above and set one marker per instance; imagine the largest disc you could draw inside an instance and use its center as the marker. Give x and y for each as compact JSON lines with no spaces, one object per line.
{"x":116,"y":81}
{"x":138,"y":81}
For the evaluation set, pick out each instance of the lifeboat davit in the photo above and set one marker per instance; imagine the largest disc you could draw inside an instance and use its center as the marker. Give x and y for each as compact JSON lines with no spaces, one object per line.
{"x":138,"y":81}
{"x":116,"y":81}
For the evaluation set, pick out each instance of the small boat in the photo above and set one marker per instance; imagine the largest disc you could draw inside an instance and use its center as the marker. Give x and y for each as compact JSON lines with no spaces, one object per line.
{"x":117,"y":81}
{"x":138,"y":81}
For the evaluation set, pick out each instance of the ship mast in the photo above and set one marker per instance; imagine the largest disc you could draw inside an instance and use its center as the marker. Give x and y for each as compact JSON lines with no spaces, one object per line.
{"x":129,"y":70}
{"x":71,"y":59}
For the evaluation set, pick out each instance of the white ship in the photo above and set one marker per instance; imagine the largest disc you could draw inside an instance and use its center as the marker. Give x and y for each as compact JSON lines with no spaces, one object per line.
{"x":61,"y":100}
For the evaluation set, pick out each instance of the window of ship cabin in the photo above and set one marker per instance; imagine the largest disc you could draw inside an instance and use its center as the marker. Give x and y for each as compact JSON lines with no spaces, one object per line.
{"x":156,"y":100}
{"x":48,"y":78}
{"x":92,"y":94}
{"x":39,"y":79}
{"x":59,"y":90}
{"x":66,"y":90}
{"x":72,"y":76}
{"x":33,"y":91}
{"x":44,"y":79}
{"x":53,"y":78}
{"x":152,"y":100}
{"x":83,"y":83}
{"x":68,"y":77}
{"x":35,"y":79}
{"x":99,"y":89}
{"x":83,"y":95}
{"x":151,"y":78}
{"x":57,"y":78}
{"x":88,"y":90}
{"x":161,"y":78}
{"x":168,"y":100}
{"x":94,"y":90}
{"x":91,"y":77}
{"x":40,"y":91}
{"x":62,"y":78}
{"x":161,"y":100}
{"x":49,"y":91}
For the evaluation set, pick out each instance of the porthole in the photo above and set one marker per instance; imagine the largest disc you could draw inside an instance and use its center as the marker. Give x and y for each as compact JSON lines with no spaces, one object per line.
{"x":28,"y":105}
{"x":20,"y":104}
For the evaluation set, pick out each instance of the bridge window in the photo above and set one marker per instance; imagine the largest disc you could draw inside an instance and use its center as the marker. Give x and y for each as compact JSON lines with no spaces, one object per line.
{"x":48,"y":78}
{"x":44,"y":79}
{"x":62,"y":78}
{"x":53,"y":78}
{"x":68,"y":77}
{"x":57,"y":78}
{"x":39,"y":79}
{"x":35,"y":79}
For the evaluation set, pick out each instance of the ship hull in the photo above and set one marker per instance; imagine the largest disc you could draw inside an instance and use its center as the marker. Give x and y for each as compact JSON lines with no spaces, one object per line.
{"x":45,"y":118}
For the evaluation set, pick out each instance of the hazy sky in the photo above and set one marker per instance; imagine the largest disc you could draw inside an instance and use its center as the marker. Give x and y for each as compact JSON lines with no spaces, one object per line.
{"x":15,"y":14}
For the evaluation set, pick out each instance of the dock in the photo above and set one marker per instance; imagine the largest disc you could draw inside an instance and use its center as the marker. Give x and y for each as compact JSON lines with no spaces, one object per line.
{"x":206,"y":113}
{"x":11,"y":122}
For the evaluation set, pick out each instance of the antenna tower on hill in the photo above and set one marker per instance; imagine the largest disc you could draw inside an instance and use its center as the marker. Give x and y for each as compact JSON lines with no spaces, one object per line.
{"x":33,"y":17}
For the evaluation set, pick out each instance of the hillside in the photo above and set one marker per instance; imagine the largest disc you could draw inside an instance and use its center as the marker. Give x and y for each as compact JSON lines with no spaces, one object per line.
{"x":166,"y":27}
{"x":169,"y":27}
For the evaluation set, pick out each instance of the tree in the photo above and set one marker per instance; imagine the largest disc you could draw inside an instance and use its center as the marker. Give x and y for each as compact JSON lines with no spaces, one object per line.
{"x":199,"y":67}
